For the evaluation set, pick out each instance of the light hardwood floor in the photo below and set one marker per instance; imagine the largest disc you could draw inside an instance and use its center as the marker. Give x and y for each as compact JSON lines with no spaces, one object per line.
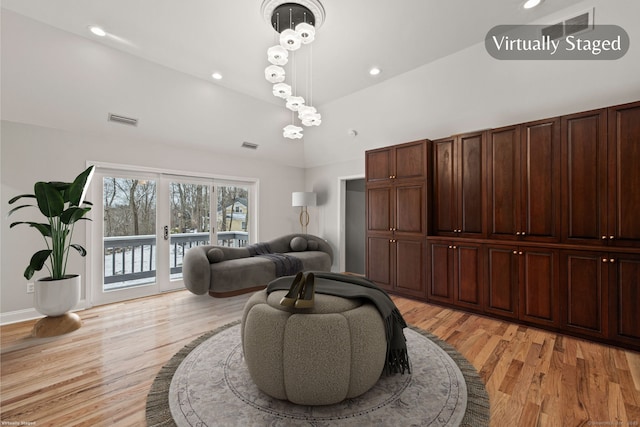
{"x":100,"y":374}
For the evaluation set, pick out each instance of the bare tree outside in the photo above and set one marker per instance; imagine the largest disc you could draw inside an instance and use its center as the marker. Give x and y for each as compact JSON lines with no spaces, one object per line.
{"x":190,"y":208}
{"x":129,"y":207}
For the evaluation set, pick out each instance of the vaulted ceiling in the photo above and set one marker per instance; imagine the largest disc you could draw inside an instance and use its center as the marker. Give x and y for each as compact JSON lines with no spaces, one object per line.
{"x":61,"y":75}
{"x":199,"y":37}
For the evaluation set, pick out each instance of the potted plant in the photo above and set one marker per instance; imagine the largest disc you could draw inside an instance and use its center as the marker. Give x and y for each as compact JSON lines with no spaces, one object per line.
{"x":63,"y":205}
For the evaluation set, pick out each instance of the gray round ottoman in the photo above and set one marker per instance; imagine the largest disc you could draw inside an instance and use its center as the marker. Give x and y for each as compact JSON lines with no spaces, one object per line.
{"x":318,"y":356}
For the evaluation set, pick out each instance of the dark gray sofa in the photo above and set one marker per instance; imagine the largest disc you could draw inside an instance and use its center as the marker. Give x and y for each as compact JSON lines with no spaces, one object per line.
{"x":223,"y":271}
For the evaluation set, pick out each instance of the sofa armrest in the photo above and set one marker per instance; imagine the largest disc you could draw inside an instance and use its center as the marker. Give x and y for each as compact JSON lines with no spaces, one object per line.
{"x":196,"y":270}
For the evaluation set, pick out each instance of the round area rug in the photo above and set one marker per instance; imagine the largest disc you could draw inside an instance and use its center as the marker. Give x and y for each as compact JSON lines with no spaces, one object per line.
{"x":207,"y":384}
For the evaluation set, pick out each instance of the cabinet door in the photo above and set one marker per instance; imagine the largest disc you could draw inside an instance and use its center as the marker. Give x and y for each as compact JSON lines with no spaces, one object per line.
{"x":467,"y":275}
{"x":584,"y":183}
{"x":624,"y":175}
{"x":503,"y":163}
{"x":441,"y":271}
{"x":379,"y":202}
{"x":469,"y":185}
{"x":538,"y":277}
{"x":409,"y":267}
{"x":378,"y":164}
{"x":379,"y":261}
{"x":410,"y":205}
{"x":540,"y":169}
{"x":444,"y":192}
{"x":410,"y":160}
{"x":624,"y":283}
{"x":502,"y":282}
{"x":584,"y":292}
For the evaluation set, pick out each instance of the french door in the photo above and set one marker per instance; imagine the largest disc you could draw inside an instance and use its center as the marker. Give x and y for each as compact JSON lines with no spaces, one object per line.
{"x":145,"y":222}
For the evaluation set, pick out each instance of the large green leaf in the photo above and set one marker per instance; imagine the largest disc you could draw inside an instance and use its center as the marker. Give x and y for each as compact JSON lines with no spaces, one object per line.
{"x":73,"y":214}
{"x":45,"y":229}
{"x":80,"y":185}
{"x":79,"y":248}
{"x":37,"y":262}
{"x":19,"y":207}
{"x":16,"y":198}
{"x":50,"y":200}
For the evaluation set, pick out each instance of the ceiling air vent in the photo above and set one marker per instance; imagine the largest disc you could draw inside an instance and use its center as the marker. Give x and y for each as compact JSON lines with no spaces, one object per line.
{"x":249,"y":145}
{"x":122,"y":119}
{"x":578,"y":24}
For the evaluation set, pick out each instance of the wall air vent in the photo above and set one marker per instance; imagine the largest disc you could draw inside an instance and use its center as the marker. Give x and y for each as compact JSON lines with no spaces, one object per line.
{"x":249,"y":145}
{"x":122,"y":119}
{"x":578,"y":24}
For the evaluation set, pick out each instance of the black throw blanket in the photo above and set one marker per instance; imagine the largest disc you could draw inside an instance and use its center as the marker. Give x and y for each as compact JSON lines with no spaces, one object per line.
{"x":286,"y":265}
{"x":346,"y":286}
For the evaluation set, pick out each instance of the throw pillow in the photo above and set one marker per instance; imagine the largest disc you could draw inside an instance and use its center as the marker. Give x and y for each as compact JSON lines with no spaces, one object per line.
{"x":298,"y":244}
{"x":215,"y":255}
{"x":312,"y":245}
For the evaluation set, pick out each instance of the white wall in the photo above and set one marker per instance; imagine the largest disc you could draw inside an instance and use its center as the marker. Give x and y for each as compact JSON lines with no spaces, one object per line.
{"x":30,"y":153}
{"x":464,"y":92}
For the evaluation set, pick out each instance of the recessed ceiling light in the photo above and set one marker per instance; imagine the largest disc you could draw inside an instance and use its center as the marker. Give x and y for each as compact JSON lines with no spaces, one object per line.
{"x":529,"y":4}
{"x":97,"y":31}
{"x":374,"y":71}
{"x":216,"y":76}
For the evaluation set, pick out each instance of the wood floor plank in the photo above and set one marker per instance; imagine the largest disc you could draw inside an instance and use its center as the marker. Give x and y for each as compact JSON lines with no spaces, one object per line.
{"x":100,"y":374}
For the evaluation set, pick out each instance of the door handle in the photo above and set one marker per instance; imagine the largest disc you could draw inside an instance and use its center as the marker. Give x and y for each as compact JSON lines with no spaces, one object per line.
{"x":166,"y":232}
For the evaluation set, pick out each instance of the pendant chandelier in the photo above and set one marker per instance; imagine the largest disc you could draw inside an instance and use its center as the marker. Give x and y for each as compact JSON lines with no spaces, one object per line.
{"x":296,"y":23}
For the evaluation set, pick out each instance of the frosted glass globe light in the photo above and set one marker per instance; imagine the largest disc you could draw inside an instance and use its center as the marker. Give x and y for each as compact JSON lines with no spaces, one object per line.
{"x":282,"y":90}
{"x":274,"y":74}
{"x":312,"y":120}
{"x":292,"y":132}
{"x":277,"y":55}
{"x":294,"y":102}
{"x":307,"y":32}
{"x":290,"y":40}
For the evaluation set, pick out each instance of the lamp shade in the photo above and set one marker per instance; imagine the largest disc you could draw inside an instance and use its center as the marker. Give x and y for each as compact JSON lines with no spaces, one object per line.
{"x":303,"y":198}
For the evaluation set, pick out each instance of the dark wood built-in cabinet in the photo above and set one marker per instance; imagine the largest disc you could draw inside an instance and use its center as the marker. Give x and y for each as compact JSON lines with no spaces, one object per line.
{"x":456,"y":273}
{"x":458,"y":176}
{"x":396,"y":210}
{"x":538,"y":223}
{"x":523,"y":169}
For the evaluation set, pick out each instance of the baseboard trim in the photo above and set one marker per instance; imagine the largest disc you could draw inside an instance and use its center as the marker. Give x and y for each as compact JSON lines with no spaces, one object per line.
{"x":30,"y":314}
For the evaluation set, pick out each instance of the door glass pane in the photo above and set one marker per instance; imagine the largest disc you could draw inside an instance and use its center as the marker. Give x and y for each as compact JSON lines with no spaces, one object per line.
{"x":190,"y":221}
{"x":232,"y":215}
{"x":129,"y":239}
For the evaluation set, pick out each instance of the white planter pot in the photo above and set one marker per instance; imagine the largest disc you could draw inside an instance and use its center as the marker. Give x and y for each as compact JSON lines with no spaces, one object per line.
{"x":56,"y":297}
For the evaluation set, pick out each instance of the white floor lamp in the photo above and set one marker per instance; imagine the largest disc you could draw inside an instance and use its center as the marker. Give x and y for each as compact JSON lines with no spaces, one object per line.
{"x":303,"y":199}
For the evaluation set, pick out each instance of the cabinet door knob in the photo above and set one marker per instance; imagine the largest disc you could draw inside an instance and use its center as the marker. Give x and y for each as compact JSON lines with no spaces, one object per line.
{"x":515,"y":252}
{"x":518,"y":233}
{"x":450,"y":247}
{"x":604,"y":237}
{"x":523,"y":233}
{"x":612,"y":260}
{"x":520,"y":253}
{"x":455,"y":247}
{"x":605,"y":260}
{"x":611,"y":237}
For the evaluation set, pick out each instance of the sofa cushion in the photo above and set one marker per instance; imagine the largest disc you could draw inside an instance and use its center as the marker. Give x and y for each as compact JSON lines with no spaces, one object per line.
{"x":215,"y":255}
{"x":298,"y":244}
